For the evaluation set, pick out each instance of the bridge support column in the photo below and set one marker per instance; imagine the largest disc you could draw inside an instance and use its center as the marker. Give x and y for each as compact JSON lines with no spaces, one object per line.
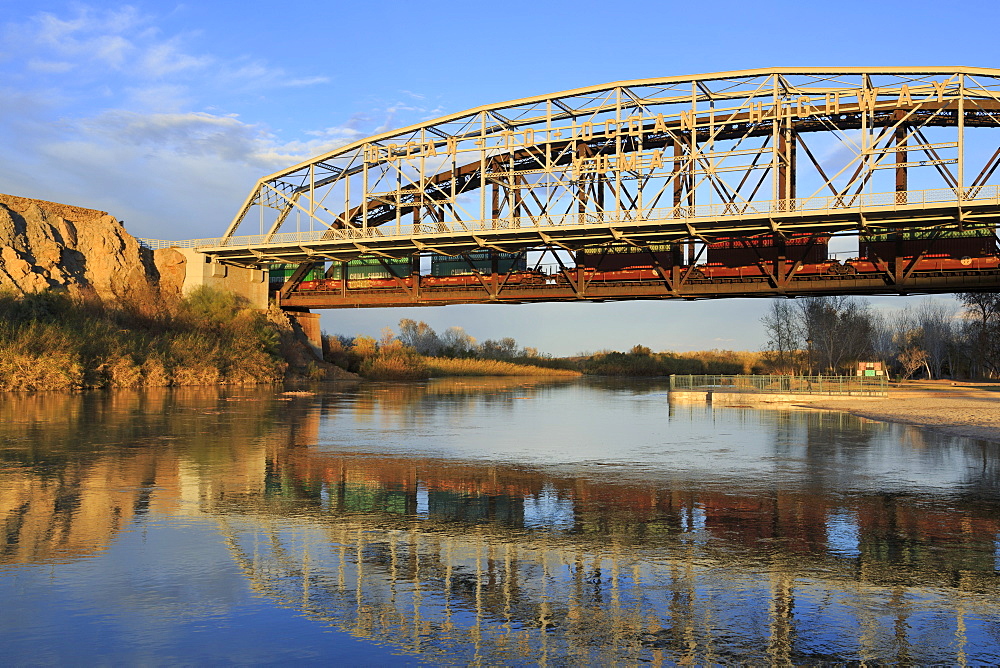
{"x":200,"y":269}
{"x":308,"y":324}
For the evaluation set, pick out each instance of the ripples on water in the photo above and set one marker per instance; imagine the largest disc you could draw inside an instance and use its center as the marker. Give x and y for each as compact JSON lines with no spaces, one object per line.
{"x":489,"y":521}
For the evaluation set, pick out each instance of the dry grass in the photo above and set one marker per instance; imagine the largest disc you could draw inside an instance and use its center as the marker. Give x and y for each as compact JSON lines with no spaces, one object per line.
{"x":444,"y":366}
{"x":51,"y":342}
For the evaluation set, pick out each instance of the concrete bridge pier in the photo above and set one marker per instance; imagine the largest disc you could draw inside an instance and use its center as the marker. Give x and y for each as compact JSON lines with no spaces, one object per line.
{"x":251,"y":284}
{"x":201,"y":269}
{"x":307,"y":324}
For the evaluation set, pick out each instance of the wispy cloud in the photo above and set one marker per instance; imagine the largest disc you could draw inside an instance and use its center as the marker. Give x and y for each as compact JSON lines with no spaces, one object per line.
{"x":103,"y":107}
{"x":89,"y":36}
{"x":123,"y":47}
{"x":307,"y":81}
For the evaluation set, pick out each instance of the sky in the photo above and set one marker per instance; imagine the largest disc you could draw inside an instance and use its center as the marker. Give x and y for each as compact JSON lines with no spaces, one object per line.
{"x":165,"y":114}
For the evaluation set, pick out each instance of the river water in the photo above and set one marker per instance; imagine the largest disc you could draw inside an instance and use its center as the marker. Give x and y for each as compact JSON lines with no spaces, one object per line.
{"x":486,"y":521}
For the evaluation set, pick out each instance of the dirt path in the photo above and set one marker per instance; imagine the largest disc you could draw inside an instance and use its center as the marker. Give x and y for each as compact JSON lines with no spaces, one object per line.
{"x":961,"y":409}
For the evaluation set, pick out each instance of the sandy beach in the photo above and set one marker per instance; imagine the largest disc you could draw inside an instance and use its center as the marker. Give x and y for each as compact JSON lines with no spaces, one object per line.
{"x":960,"y":408}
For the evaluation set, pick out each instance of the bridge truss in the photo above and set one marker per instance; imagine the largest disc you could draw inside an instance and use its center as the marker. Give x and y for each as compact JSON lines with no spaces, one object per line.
{"x":685,"y":160}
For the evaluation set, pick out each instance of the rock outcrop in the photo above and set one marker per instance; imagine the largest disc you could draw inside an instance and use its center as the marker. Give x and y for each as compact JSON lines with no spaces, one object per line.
{"x":46,"y":245}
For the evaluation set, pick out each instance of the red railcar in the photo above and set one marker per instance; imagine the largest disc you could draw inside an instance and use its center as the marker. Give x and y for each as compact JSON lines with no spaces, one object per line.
{"x":973,"y":242}
{"x":431,"y":282}
{"x":936,"y":264}
{"x":744,"y":251}
{"x":619,"y":256}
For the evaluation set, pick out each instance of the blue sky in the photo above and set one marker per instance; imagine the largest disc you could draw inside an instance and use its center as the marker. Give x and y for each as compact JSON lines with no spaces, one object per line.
{"x":165,"y":114}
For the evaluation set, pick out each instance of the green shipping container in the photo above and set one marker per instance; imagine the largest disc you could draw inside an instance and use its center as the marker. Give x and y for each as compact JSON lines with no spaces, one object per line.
{"x":929,"y":235}
{"x":280,"y":273}
{"x":478,"y":261}
{"x":373,"y":267}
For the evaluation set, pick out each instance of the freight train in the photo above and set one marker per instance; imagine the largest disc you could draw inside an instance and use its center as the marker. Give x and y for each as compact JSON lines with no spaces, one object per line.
{"x":728,"y":259}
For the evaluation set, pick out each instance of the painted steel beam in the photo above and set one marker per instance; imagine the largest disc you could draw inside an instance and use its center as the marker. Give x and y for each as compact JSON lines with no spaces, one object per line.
{"x":692,"y":289}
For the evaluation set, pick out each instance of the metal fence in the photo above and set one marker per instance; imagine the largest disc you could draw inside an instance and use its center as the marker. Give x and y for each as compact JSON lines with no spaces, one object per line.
{"x":872,"y":386}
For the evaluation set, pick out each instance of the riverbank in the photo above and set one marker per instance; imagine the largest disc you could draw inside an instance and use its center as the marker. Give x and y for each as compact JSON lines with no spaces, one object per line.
{"x":961,"y":409}
{"x":54,"y":341}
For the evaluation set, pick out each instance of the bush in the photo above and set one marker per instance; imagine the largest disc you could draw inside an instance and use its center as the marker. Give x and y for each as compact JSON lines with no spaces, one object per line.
{"x":50,"y":341}
{"x":641,"y":361}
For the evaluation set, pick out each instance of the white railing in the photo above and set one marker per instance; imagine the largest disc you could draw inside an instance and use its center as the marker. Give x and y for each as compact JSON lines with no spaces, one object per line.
{"x":913,"y":199}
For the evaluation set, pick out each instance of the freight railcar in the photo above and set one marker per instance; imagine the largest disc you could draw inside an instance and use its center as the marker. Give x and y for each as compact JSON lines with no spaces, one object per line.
{"x":518,"y":278}
{"x":482,"y":262}
{"x":971,"y":242}
{"x":619,"y":256}
{"x":744,"y":251}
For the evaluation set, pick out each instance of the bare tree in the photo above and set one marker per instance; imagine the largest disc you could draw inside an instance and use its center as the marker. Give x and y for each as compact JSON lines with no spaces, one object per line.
{"x":504,"y":349}
{"x":883,"y":348}
{"x":840,"y":329}
{"x":784,"y":333}
{"x":912,"y":358}
{"x":981,"y":332}
{"x":935,"y":322}
{"x":456,"y":343}
{"x":909,"y":340}
{"x":420,"y":336}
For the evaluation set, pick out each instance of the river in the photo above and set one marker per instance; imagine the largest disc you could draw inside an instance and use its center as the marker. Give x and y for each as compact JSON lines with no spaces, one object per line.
{"x":486,"y":522}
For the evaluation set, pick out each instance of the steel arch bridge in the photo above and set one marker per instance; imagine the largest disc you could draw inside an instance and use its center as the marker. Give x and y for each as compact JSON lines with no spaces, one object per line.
{"x":769,"y":161}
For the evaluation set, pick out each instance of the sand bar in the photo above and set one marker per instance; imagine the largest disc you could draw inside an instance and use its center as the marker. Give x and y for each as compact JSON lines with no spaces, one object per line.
{"x":960,"y":408}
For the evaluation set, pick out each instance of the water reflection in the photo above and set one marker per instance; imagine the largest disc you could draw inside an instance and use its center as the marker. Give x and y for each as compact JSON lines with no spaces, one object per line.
{"x":514,"y":521}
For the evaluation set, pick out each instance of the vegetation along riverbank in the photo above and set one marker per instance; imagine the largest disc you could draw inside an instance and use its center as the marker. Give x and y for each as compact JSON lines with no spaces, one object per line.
{"x":418,"y":351}
{"x":53,"y":341}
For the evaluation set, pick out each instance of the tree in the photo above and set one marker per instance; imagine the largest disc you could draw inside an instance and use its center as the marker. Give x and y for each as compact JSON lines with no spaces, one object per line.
{"x":784,"y":336}
{"x":840,"y":328}
{"x":912,"y":358}
{"x":456,"y":343}
{"x":504,"y":349}
{"x":883,"y":347}
{"x":981,"y":332}
{"x":420,"y":336}
{"x":935,"y":322}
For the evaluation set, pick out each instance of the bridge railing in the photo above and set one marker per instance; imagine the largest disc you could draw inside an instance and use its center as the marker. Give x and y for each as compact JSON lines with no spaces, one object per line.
{"x":877,"y":386}
{"x":912,"y":199}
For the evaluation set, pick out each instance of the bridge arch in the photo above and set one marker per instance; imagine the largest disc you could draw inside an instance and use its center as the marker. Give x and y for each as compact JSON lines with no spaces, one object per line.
{"x":682,"y":160}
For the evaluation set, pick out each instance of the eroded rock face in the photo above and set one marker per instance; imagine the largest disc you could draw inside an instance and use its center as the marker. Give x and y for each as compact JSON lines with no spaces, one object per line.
{"x":45,"y":245}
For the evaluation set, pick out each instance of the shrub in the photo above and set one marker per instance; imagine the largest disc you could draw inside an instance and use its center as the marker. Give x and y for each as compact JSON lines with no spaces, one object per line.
{"x":51,"y":341}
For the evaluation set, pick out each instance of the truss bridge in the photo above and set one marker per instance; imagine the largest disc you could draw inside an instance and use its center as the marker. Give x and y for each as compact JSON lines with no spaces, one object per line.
{"x":787,"y":181}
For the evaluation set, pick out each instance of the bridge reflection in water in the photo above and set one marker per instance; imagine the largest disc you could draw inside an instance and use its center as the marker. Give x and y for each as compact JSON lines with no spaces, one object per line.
{"x":838,"y":554}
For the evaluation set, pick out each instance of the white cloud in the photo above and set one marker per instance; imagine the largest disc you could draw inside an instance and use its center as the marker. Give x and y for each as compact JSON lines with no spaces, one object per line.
{"x":118,"y":49}
{"x":166,"y":58}
{"x":224,"y":138}
{"x":307,"y":81}
{"x":50,"y":66}
{"x":187,"y":134}
{"x":92,"y":35}
{"x":101,"y":109}
{"x":162,"y":98}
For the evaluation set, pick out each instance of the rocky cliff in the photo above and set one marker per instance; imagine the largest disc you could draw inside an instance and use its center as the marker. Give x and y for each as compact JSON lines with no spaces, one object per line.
{"x":87,"y":252}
